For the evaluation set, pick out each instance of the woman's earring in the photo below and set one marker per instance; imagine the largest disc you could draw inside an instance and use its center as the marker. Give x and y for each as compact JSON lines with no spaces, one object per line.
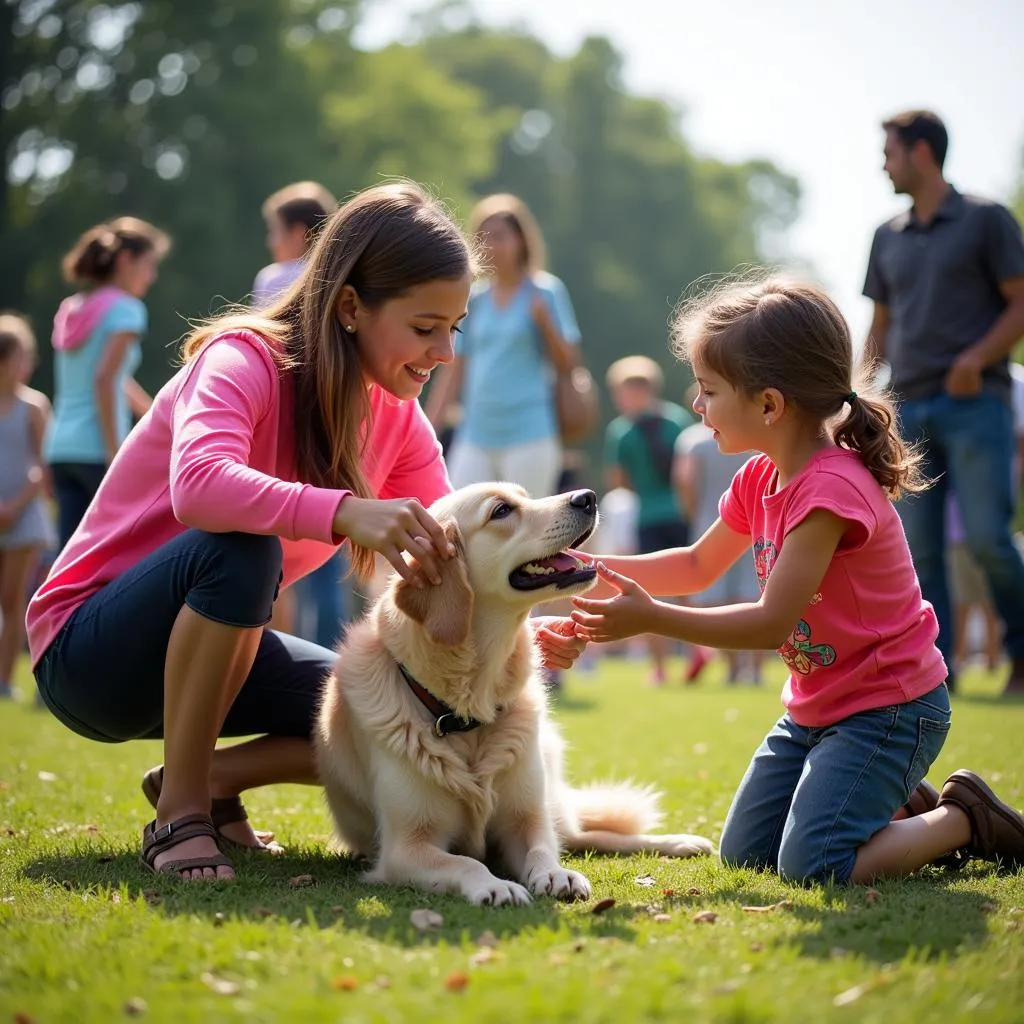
{"x":767,"y":422}
{"x":350,"y":328}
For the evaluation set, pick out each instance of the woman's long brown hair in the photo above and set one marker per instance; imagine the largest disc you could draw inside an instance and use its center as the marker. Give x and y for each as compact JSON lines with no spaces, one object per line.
{"x":383,"y":242}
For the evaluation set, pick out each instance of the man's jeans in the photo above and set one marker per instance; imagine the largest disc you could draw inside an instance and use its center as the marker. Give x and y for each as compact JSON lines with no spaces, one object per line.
{"x":968,"y":445}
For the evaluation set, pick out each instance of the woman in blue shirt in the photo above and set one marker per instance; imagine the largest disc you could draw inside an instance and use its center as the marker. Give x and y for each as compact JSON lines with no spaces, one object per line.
{"x":520,"y":329}
{"x":96,"y":336}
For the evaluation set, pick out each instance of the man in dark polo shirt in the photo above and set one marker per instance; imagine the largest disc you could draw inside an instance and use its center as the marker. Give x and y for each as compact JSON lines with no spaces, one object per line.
{"x":947,"y":280}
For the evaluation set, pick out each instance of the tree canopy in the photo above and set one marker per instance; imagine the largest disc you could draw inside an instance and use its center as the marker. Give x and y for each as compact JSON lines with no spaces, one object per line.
{"x":189,"y":115}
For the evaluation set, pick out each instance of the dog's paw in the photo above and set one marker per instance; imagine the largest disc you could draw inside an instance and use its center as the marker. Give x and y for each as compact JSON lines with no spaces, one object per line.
{"x":683,"y":846}
{"x":560,"y":883}
{"x":495,"y":892}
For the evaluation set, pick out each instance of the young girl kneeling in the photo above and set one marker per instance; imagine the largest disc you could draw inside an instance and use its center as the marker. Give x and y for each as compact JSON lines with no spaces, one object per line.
{"x":867,"y":710}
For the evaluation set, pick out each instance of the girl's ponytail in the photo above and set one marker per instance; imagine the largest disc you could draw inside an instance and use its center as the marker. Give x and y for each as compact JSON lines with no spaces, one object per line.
{"x":870,"y":429}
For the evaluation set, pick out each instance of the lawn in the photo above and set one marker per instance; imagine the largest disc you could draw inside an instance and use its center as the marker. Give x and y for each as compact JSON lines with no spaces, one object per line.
{"x":86,"y":935}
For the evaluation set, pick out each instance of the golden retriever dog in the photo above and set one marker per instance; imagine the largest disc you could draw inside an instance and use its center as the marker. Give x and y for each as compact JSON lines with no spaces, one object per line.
{"x":434,"y":743}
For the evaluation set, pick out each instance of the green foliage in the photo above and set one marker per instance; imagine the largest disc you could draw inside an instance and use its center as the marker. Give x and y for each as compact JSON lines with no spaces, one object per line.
{"x":85,"y":929}
{"x":190,"y":115}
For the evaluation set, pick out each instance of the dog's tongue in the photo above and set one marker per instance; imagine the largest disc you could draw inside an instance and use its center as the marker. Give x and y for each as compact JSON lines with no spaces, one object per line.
{"x":560,"y":562}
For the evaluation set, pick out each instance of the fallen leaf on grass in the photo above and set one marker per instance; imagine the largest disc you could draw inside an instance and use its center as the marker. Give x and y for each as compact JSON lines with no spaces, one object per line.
{"x":115,"y":897}
{"x":456,"y":981}
{"x":426,"y":920}
{"x":346,"y":983}
{"x":488,"y":940}
{"x":105,"y":858}
{"x":645,"y":880}
{"x":88,"y":828}
{"x":693,"y":891}
{"x":5,"y":786}
{"x":988,"y":908}
{"x":781,"y":905}
{"x":218,"y":920}
{"x":382,"y":981}
{"x":264,"y":912}
{"x":337,"y":909}
{"x":46,"y":777}
{"x":221,"y":986}
{"x":602,"y":905}
{"x":23,"y":1018}
{"x":872,"y":896}
{"x":661,"y":918}
{"x":668,"y":892}
{"x":705,"y":917}
{"x":484,"y":956}
{"x":756,"y":947}
{"x":135,"y":1007}
{"x":851,"y":995}
{"x":301,"y":881}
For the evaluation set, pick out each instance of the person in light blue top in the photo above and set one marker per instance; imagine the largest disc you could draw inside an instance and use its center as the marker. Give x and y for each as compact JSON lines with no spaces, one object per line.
{"x":96,"y":336}
{"x":520,"y":330}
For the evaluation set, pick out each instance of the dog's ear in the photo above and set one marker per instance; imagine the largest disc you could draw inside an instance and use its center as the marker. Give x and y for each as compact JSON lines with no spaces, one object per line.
{"x":443,"y":609}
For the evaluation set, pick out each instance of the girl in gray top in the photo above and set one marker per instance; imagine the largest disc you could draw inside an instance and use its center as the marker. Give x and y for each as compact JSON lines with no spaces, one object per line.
{"x":25,"y":525}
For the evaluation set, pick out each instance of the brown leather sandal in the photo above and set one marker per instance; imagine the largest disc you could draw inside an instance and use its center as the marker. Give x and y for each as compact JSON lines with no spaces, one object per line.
{"x":159,"y":840}
{"x":224,"y":810}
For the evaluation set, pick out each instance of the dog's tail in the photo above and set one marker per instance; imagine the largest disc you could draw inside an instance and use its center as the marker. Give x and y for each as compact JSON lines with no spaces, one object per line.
{"x":620,"y":807}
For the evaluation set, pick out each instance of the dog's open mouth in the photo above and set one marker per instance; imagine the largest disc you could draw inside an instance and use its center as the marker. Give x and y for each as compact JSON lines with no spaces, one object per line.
{"x":559,"y":570}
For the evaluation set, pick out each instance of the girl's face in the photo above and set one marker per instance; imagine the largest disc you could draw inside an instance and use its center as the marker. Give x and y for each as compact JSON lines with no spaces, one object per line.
{"x":736,"y":418}
{"x":17,"y":366}
{"x":286,"y":242}
{"x":503,"y":248}
{"x":135,"y":274}
{"x":401,"y":342}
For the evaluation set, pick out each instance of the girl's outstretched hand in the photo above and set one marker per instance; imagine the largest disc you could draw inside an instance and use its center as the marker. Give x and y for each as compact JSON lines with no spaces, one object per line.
{"x":391,"y":527}
{"x":629,"y":613}
{"x":559,"y":643}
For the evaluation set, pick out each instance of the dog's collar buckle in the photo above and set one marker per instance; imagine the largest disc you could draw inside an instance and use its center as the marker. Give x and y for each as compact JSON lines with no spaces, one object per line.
{"x":445,"y":719}
{"x":450,"y":722}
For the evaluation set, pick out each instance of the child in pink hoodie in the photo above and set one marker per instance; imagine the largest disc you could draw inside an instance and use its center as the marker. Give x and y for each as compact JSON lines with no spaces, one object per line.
{"x":284,"y":433}
{"x":96,"y":336}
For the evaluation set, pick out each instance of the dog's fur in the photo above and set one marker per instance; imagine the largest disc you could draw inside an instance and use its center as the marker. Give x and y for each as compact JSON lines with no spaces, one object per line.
{"x":426,"y":809}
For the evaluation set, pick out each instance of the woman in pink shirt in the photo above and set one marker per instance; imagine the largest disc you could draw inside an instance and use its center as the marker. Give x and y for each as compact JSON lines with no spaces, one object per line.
{"x":285,"y":433}
{"x":867,"y":709}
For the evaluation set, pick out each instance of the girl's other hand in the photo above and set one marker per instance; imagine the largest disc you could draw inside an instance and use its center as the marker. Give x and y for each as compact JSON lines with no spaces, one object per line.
{"x":560,"y":645}
{"x":629,"y":613}
{"x":391,"y":527}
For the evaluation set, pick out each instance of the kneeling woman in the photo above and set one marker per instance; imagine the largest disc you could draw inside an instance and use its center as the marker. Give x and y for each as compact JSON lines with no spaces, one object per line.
{"x":284,"y":434}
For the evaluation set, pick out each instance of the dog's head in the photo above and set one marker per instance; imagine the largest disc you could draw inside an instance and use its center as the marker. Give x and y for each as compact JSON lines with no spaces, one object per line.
{"x":512,"y":555}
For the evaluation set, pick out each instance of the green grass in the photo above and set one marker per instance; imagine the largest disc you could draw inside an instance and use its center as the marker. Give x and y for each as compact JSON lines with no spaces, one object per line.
{"x":83,"y":930}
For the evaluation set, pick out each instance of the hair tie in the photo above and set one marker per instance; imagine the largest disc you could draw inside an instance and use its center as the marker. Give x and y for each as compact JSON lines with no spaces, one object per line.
{"x":851,"y":397}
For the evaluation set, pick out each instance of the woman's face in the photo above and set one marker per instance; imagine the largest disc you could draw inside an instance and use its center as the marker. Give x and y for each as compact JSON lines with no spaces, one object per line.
{"x":135,"y":274}
{"x":401,"y":342}
{"x":503,"y":248}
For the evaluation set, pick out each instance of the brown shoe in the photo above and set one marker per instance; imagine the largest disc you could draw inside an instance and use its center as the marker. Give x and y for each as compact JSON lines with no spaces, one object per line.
{"x":997,"y":830}
{"x":1015,"y":684}
{"x":924,"y":798}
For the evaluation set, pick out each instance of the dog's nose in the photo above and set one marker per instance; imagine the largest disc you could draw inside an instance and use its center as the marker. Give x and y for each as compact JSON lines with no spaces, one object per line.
{"x":586,"y":500}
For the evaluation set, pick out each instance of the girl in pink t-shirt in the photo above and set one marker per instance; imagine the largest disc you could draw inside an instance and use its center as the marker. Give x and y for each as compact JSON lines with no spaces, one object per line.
{"x":285,"y":433}
{"x":867,"y":709}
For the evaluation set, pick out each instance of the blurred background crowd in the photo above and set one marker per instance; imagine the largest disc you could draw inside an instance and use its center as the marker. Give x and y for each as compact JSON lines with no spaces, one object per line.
{"x":165,"y":158}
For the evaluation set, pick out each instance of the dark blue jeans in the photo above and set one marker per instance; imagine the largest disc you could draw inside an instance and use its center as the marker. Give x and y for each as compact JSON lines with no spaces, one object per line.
{"x":812,"y":797}
{"x":74,"y":484}
{"x":968,"y":445}
{"x":103,"y":675}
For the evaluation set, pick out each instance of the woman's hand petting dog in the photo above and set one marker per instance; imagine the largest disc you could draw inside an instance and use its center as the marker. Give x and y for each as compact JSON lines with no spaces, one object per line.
{"x":629,"y":613}
{"x":391,"y":527}
{"x":559,"y":643}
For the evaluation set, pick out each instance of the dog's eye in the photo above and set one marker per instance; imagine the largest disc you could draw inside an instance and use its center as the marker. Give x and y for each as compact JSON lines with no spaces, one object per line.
{"x":502,"y":510}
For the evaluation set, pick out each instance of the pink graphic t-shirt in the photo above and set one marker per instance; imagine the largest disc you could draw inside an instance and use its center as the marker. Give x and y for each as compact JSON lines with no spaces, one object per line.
{"x":867,"y":638}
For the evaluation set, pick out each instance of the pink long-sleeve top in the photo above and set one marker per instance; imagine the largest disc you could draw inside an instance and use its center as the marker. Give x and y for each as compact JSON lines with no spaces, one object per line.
{"x":217,"y":452}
